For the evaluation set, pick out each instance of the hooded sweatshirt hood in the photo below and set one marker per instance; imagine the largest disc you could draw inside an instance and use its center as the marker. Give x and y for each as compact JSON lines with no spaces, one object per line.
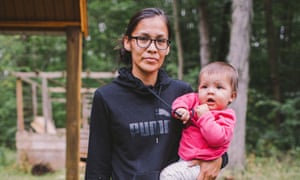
{"x":127,"y":79}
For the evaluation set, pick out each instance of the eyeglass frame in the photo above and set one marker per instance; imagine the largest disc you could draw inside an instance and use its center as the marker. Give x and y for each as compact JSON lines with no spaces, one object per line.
{"x":137,"y":38}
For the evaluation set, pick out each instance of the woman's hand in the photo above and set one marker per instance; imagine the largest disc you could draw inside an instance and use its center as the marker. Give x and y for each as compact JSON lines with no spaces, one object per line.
{"x":209,"y":170}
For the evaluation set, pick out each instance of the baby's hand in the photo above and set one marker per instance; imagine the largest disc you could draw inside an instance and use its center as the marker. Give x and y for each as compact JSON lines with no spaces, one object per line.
{"x":201,"y":109}
{"x":182,"y":114}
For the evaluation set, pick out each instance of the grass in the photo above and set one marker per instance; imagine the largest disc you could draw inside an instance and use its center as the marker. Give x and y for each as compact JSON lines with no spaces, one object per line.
{"x":15,"y":173}
{"x":262,"y":168}
{"x":10,"y":170}
{"x":257,"y":168}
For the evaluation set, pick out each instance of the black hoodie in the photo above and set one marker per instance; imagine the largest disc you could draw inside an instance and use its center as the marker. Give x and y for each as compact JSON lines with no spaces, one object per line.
{"x":132,"y":133}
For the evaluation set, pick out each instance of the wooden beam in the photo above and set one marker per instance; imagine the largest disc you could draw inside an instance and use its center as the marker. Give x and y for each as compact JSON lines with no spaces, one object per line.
{"x":73,"y":105}
{"x":63,"y":90}
{"x":32,"y":31}
{"x":83,"y":17}
{"x":38,"y":24}
{"x":20,"y":114}
{"x":101,"y":75}
{"x":53,"y":75}
{"x":47,"y":75}
{"x":34,"y":100}
{"x":47,"y":106}
{"x":29,"y":81}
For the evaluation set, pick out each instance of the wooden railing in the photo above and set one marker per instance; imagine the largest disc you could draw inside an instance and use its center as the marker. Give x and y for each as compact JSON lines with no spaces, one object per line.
{"x":40,"y":81}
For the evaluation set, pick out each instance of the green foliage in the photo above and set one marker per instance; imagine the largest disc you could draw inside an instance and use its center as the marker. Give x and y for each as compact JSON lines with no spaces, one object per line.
{"x":59,"y":114}
{"x":271,"y":126}
{"x":277,"y":167}
{"x":7,"y":111}
{"x":192,"y":77}
{"x":265,"y":136}
{"x":32,"y":53}
{"x":99,"y":53}
{"x":7,"y":157}
{"x":286,"y":20}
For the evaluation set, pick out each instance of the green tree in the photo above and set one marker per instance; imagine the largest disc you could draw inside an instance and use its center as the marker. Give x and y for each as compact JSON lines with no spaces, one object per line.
{"x":107,"y":21}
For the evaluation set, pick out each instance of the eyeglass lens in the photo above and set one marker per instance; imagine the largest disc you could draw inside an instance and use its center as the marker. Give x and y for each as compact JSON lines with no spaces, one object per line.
{"x":145,"y":42}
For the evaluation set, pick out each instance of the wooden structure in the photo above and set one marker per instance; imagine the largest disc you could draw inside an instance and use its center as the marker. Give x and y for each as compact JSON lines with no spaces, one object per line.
{"x":42,"y":142}
{"x":66,"y":17}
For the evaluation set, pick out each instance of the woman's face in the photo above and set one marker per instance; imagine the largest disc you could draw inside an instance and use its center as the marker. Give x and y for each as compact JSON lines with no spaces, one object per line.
{"x":147,"y":60}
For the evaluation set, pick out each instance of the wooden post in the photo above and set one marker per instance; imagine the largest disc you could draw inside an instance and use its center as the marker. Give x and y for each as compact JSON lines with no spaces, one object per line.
{"x":47,"y":109}
{"x":19,"y":94}
{"x":34,"y":100}
{"x":73,"y":105}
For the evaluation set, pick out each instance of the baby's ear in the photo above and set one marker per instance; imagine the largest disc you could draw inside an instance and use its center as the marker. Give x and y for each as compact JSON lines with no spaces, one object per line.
{"x":234,"y":94}
{"x":233,"y":97}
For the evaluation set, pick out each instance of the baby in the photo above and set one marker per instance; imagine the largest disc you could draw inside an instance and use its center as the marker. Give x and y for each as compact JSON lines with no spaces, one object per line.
{"x":209,"y":124}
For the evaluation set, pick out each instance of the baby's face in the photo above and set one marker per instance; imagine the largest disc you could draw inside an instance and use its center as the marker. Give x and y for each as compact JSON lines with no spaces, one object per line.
{"x":215,"y":90}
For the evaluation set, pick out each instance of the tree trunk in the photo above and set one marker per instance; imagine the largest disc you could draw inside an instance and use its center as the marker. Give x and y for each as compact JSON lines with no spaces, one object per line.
{"x":272,"y":50}
{"x":224,"y":35}
{"x":238,"y":56}
{"x":204,"y":33}
{"x":178,"y":40}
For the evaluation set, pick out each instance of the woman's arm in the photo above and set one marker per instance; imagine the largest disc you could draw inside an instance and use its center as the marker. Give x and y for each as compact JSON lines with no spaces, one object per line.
{"x":98,"y":165}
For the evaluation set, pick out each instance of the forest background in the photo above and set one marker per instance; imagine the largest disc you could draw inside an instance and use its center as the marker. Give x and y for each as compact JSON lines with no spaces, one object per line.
{"x":273,"y":106}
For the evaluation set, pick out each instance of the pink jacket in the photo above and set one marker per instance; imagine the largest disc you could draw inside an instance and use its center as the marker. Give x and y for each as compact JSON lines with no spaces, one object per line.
{"x":206,"y":137}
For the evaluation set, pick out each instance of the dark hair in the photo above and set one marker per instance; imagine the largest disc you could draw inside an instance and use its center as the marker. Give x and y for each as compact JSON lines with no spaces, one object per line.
{"x":125,"y":56}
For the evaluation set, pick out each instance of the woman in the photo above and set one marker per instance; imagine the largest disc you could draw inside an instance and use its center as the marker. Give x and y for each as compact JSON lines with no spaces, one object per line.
{"x":132,"y":133}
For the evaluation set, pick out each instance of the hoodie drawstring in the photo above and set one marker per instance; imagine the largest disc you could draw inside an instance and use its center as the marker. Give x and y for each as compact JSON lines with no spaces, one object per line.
{"x":163,"y":101}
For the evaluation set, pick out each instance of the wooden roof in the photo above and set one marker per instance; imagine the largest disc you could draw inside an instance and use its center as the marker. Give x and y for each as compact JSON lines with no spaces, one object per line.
{"x":42,"y":15}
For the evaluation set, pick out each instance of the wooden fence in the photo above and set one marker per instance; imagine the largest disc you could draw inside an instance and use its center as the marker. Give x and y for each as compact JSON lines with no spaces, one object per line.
{"x":42,"y":142}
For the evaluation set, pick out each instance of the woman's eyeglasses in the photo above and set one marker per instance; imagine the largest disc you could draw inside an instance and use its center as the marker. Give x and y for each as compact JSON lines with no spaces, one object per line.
{"x":145,"y":42}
